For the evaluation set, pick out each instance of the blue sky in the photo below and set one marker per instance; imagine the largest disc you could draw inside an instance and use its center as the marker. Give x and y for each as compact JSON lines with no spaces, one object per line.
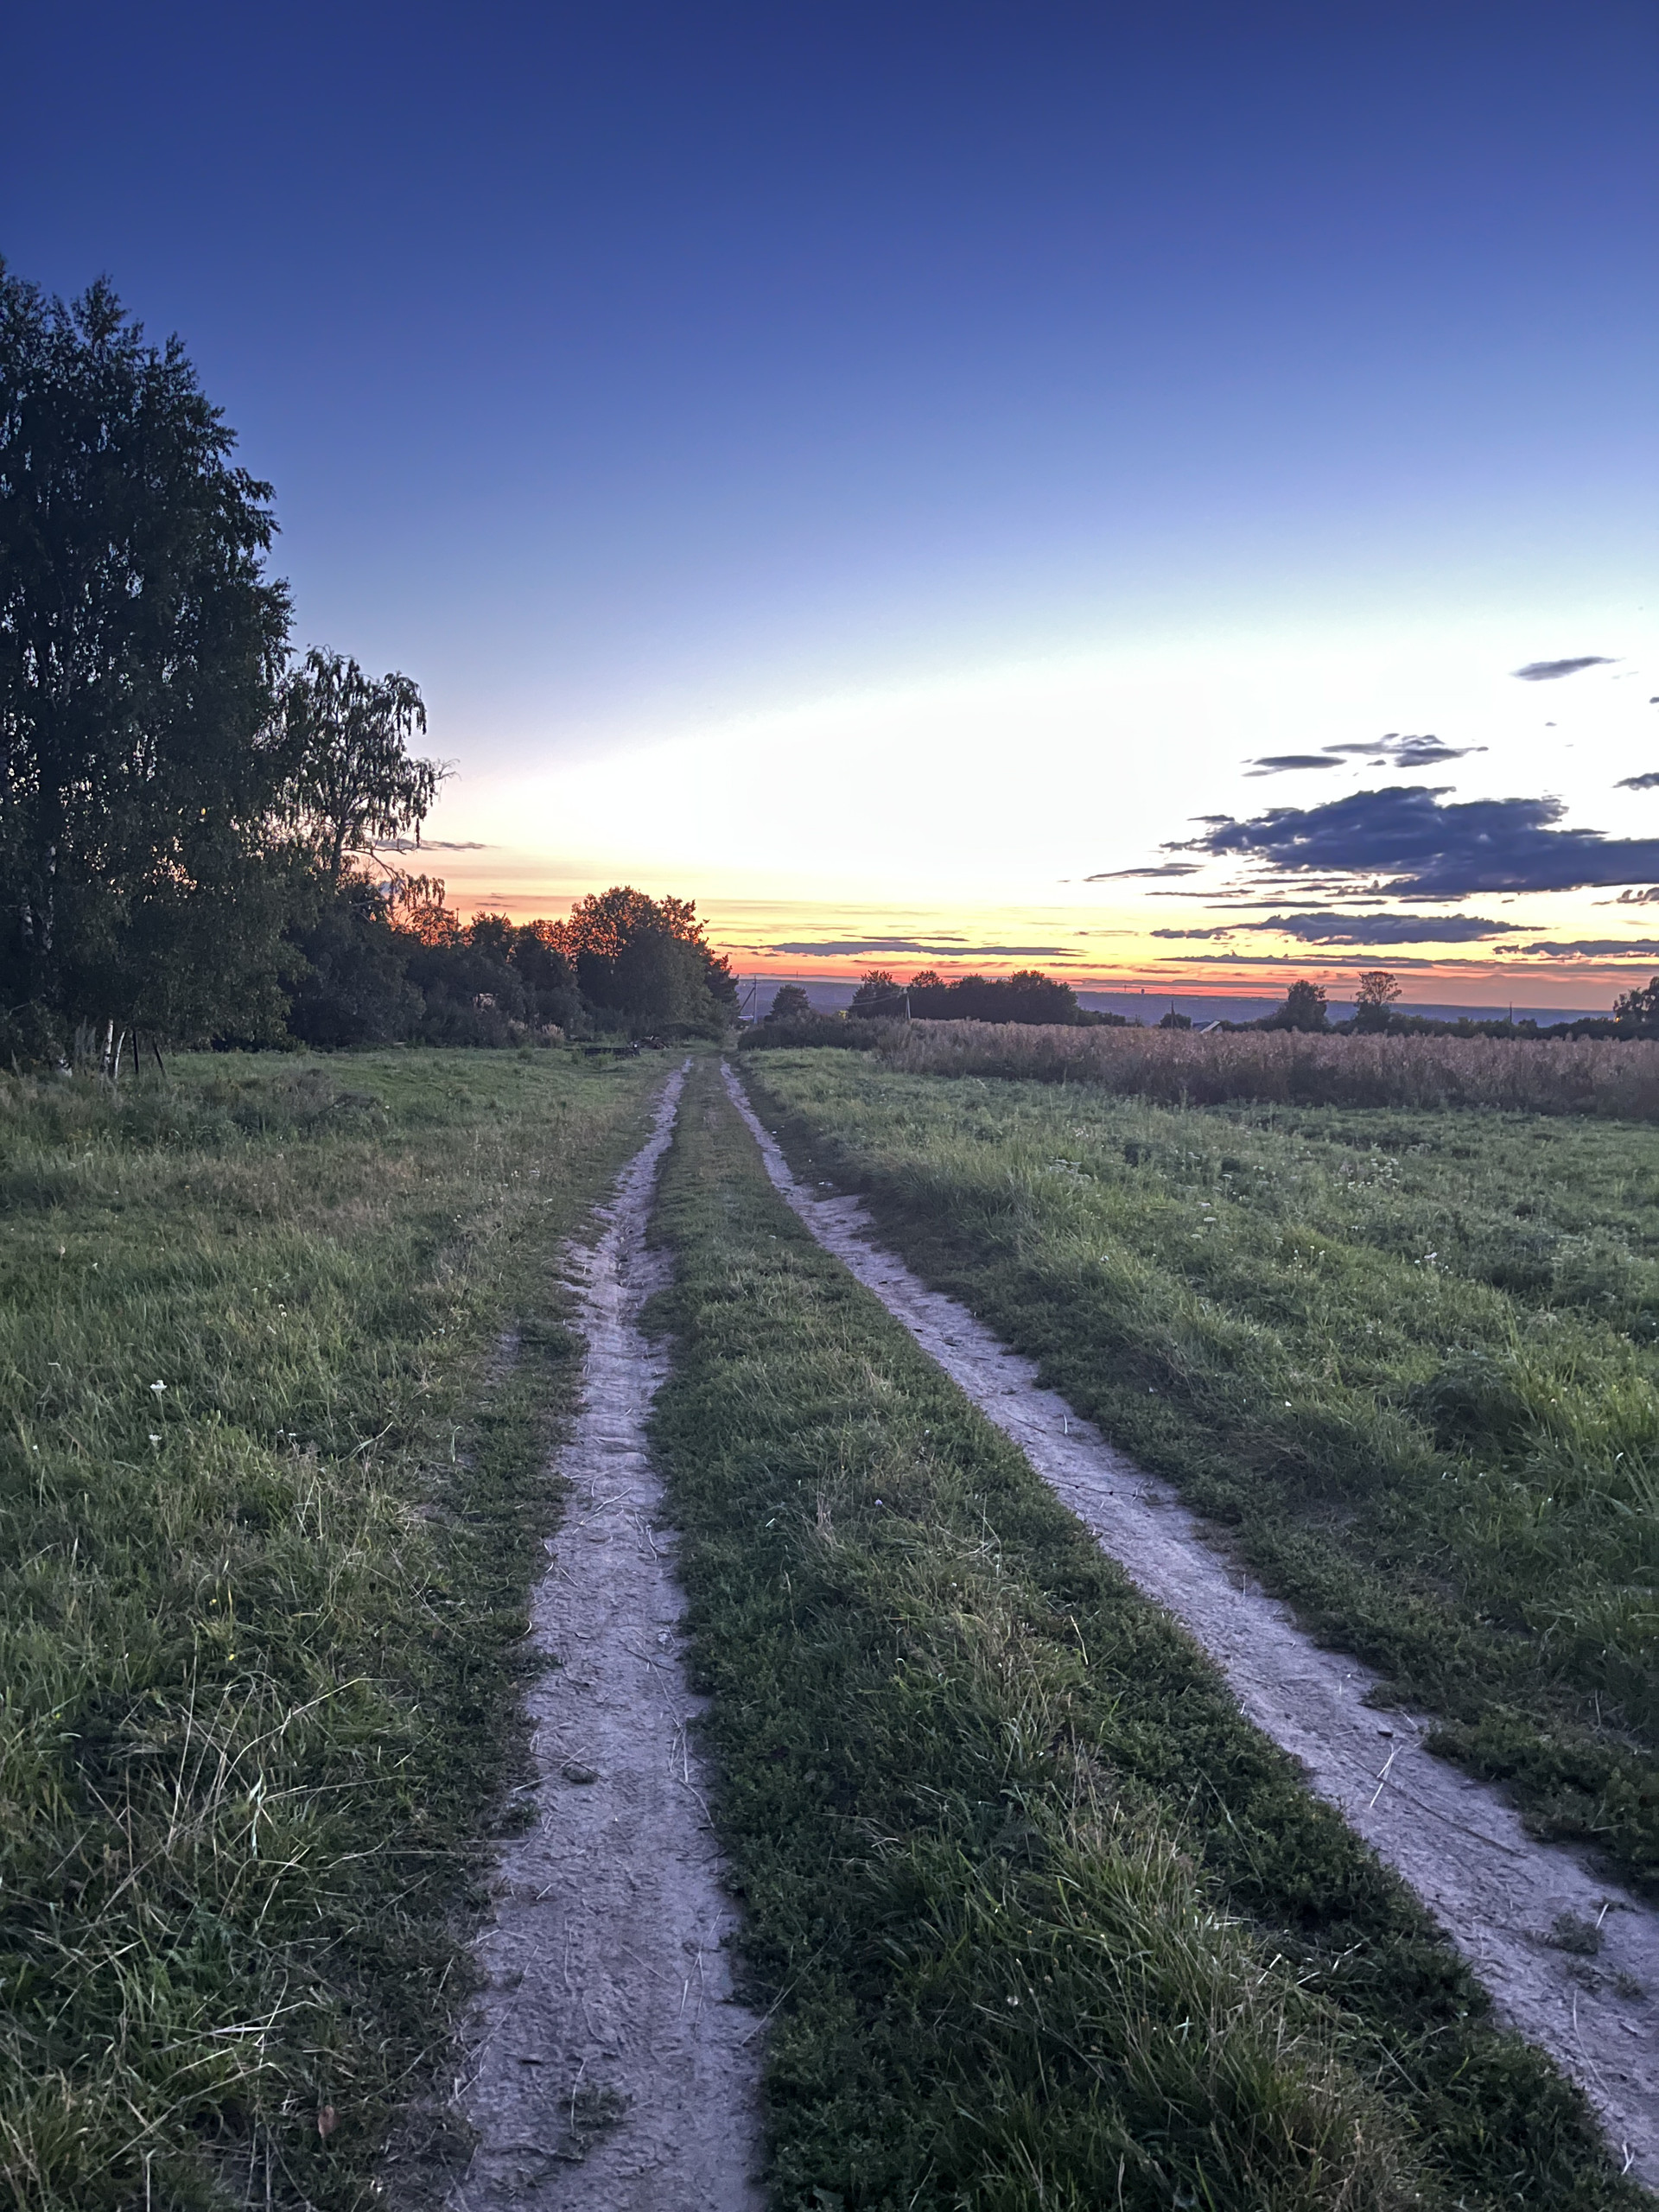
{"x":749,"y":401}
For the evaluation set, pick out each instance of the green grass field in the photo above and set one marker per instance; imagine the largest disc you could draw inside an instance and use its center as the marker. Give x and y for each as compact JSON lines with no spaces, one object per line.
{"x":1044,"y":1922}
{"x":280,"y":1350}
{"x":1406,"y":1361}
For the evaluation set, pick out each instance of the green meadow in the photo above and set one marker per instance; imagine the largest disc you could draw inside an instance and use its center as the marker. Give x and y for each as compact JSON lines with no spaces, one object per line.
{"x":1038,"y":1919}
{"x":281,"y":1350}
{"x":1405,"y":1362}
{"x":1030,"y":1910}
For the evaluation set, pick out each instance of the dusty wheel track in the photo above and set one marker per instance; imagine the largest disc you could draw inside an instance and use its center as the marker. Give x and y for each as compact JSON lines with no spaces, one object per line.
{"x":1458,"y":1842}
{"x":609,"y":2066}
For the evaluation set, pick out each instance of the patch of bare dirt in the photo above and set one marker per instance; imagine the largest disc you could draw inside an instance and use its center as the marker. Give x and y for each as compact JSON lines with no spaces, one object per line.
{"x":609,"y":2066}
{"x":1572,"y":1961}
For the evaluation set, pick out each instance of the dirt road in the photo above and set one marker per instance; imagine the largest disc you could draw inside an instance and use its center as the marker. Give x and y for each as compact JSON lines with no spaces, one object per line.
{"x":609,"y":2067}
{"x":1572,"y":1961}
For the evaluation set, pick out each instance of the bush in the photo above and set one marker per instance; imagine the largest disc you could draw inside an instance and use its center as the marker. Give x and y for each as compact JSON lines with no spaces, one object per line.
{"x":852,"y":1034}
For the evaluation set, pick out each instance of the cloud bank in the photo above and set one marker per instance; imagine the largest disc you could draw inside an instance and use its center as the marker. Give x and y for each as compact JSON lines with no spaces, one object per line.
{"x":1417,"y":846}
{"x":1319,"y":927}
{"x":1126,"y":874}
{"x":1391,"y":751}
{"x":860,"y":947}
{"x":1596,"y":948}
{"x":1546,"y":672}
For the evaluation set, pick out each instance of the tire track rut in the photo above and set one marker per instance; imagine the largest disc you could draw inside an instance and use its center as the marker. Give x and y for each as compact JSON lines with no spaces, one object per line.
{"x":1498,"y":1892}
{"x":610,"y":2066}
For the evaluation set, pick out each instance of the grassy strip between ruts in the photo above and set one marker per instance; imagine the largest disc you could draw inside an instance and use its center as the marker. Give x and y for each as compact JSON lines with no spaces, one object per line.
{"x":1406,"y":1359}
{"x":1045,"y":1923}
{"x":280,"y":1350}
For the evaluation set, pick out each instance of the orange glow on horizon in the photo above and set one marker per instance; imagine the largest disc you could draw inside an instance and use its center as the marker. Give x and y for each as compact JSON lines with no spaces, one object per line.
{"x":767,"y":940}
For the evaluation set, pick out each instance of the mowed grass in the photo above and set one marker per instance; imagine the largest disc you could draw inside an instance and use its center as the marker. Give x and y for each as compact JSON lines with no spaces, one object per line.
{"x":1038,"y":1919}
{"x":280,"y":1351}
{"x":1407,"y":1361}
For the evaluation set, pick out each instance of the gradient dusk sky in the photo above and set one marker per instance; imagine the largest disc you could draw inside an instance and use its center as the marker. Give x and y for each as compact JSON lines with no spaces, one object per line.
{"x":1165,"y":494}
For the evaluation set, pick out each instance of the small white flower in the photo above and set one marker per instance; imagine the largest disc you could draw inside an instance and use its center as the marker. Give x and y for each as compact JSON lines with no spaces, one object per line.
{"x":158,"y":1388}
{"x":154,"y":1438}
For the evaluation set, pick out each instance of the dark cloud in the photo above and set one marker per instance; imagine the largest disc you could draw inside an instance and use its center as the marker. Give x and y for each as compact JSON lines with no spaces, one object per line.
{"x":1165,"y":868}
{"x":1278,"y":764}
{"x":1648,"y":783}
{"x":1650,"y":896}
{"x":860,"y":947}
{"x":1398,"y":750}
{"x":1383,"y":928}
{"x":1419,"y":848}
{"x":1546,"y":671}
{"x":428,"y":845}
{"x":1317,"y":927}
{"x":1596,"y":948}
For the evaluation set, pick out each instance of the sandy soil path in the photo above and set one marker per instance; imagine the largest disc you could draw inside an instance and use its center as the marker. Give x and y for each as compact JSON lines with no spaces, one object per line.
{"x":1457,"y":1841}
{"x":609,"y":2066}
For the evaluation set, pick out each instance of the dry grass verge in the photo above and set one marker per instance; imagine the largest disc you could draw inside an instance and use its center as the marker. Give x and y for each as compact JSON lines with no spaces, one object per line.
{"x":1285,"y":1068}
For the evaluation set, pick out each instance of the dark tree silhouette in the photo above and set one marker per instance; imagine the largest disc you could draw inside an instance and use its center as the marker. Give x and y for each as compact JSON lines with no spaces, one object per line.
{"x":648,"y":960}
{"x":1377,"y":992}
{"x":880,"y":994}
{"x":1636,"y":1012}
{"x":349,"y":778}
{"x":1304,"y":1008}
{"x":141,"y":643}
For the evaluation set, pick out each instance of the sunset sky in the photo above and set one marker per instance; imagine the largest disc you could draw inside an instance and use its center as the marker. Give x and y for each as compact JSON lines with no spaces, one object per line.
{"x":1162,"y":494}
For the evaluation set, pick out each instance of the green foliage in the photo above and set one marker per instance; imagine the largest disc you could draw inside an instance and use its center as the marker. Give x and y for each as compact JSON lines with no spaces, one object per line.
{"x":1378,"y":990}
{"x":1025,"y":996}
{"x":278,"y":1361}
{"x":648,"y":961}
{"x":1304,"y":1008}
{"x":1040,"y":1919}
{"x":788,"y":1001}
{"x":1411,"y":1361}
{"x":878,"y":994}
{"x":832,"y":1029}
{"x":348,"y":778}
{"x":140,"y":641}
{"x":188,"y":832}
{"x":1636,"y":1014}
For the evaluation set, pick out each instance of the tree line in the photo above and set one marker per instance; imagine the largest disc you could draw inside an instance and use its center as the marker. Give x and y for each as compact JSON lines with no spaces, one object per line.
{"x":1029,"y":996}
{"x":205,"y":836}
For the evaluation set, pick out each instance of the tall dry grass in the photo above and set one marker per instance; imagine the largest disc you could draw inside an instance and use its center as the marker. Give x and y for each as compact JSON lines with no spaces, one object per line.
{"x":1605,"y":1076}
